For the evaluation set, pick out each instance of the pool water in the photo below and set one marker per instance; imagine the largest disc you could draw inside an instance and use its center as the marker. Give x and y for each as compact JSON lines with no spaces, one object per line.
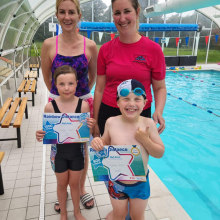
{"x":190,"y":167}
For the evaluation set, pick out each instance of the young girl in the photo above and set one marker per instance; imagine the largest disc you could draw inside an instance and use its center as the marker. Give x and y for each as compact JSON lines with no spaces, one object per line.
{"x":69,"y":160}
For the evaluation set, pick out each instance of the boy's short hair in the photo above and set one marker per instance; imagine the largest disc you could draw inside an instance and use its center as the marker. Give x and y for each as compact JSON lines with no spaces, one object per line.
{"x":64,"y":70}
{"x":131,"y":85}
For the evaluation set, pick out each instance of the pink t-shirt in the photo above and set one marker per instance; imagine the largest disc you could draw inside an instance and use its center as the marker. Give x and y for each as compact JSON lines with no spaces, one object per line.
{"x":142,"y":61}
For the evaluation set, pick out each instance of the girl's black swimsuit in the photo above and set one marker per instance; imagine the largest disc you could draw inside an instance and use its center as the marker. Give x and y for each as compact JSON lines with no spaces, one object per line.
{"x":69,"y":156}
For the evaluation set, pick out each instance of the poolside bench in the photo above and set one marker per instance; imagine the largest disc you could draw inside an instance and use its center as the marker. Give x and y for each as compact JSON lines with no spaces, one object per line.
{"x":31,"y":75}
{"x":2,"y":154}
{"x":6,"y":83}
{"x":10,"y":62}
{"x":5,"y":72}
{"x":28,"y":86}
{"x":2,"y":68}
{"x":35,"y":66}
{"x":7,"y":112}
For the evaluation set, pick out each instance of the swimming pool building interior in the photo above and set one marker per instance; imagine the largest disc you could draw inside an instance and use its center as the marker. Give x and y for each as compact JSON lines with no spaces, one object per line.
{"x":185,"y":182}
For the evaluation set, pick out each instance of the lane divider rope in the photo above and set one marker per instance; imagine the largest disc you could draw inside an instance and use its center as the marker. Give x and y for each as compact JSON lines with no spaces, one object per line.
{"x":213,"y":84}
{"x":193,"y":104}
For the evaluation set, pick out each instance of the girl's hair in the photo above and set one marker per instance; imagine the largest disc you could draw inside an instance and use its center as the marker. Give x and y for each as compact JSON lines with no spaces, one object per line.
{"x":76,"y":2}
{"x":65,"y":69}
{"x":135,"y":5}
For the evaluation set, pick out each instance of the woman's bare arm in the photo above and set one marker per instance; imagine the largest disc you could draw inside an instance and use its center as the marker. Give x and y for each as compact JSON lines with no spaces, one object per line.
{"x":99,"y":90}
{"x":92,"y":63}
{"x":46,"y":62}
{"x":160,"y":94}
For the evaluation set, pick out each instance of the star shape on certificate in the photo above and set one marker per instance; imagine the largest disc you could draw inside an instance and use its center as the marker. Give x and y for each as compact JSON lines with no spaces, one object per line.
{"x":97,"y":162}
{"x":118,"y":164}
{"x":65,"y":129}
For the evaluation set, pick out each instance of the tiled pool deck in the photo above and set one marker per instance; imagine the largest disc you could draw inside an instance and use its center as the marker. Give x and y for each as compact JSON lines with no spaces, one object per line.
{"x":22,"y":177}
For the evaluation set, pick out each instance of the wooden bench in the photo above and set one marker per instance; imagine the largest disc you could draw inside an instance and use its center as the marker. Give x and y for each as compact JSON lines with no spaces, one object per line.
{"x":2,"y":68}
{"x":6,"y":83}
{"x":31,"y":75}
{"x":7,"y":112}
{"x":2,"y":154}
{"x":10,"y":62}
{"x":35,"y":66}
{"x":5,"y":72}
{"x":28,"y":86}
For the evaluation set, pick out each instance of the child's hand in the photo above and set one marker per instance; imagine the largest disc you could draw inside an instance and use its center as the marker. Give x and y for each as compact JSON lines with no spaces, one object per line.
{"x":141,"y":135}
{"x":97,"y":144}
{"x":91,"y":122}
{"x":40,"y":135}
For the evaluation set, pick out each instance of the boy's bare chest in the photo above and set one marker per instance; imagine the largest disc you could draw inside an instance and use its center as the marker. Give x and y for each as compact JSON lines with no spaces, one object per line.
{"x":123,"y":136}
{"x":126,"y":136}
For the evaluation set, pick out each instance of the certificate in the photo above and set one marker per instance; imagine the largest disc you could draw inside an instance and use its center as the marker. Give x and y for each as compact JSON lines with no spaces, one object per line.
{"x":64,"y":128}
{"x":117,"y":162}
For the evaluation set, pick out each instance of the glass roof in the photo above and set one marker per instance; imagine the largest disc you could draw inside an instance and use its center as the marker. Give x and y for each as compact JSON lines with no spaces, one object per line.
{"x":211,"y":12}
{"x":22,"y":18}
{"x":46,"y":8}
{"x":43,"y":9}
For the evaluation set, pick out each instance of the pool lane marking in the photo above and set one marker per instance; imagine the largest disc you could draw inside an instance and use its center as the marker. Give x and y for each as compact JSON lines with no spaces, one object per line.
{"x":195,"y":79}
{"x":42,"y":196}
{"x":209,"y":111}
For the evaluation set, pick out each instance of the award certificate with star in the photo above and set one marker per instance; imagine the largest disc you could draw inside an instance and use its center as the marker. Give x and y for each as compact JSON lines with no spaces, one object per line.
{"x":115,"y":162}
{"x":64,"y":128}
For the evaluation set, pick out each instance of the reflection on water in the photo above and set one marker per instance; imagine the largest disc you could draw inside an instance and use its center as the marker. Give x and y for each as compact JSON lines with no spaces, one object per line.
{"x":190,"y":167}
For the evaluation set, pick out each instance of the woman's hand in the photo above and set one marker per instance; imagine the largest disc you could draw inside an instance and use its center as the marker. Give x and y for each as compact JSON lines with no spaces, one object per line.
{"x":40,"y":135}
{"x":158,"y":118}
{"x":96,"y":132}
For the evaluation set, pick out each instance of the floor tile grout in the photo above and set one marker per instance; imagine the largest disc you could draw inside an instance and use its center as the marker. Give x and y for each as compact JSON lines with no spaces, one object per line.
{"x":33,"y":149}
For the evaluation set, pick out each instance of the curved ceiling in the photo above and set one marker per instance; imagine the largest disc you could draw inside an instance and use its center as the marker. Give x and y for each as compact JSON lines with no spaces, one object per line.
{"x":26,"y":16}
{"x":46,"y":8}
{"x":213,"y":13}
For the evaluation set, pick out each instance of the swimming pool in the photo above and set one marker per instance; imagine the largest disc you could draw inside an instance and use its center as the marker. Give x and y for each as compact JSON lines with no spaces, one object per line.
{"x":190,"y":167}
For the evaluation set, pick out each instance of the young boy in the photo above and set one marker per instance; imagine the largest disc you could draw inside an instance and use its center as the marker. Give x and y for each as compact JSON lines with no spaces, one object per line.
{"x":130,"y":128}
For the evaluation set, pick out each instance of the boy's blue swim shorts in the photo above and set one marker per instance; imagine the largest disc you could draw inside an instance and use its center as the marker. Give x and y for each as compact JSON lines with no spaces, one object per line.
{"x":121,"y":191}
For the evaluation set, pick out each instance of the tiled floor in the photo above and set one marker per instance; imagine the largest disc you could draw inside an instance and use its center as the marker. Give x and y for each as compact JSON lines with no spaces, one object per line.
{"x":22,"y":174}
{"x":21,"y":168}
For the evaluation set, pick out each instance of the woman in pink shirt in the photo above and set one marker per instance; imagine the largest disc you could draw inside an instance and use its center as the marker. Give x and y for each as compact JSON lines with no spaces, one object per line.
{"x":129,"y":56}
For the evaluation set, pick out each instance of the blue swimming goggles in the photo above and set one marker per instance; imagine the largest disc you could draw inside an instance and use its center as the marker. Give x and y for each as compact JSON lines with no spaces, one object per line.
{"x":137,"y":91}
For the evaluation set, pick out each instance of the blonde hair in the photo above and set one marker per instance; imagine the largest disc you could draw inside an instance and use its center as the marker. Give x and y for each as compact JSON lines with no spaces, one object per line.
{"x":76,"y":2}
{"x":135,"y":5}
